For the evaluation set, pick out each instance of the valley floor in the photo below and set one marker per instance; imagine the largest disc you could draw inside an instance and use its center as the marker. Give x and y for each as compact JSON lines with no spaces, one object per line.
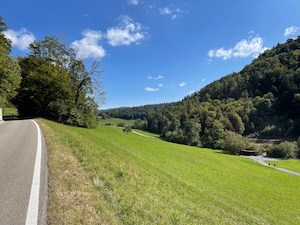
{"x":119,"y":178}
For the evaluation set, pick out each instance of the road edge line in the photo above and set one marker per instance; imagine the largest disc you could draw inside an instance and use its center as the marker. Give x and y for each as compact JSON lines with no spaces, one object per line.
{"x":33,"y":206}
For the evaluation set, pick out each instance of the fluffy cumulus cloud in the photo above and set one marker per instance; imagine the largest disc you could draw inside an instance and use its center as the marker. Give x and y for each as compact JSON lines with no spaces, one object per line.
{"x":244,"y":48}
{"x":291,"y":31}
{"x":88,"y":46}
{"x":126,"y":33}
{"x":133,"y":2}
{"x":20,"y":39}
{"x":220,"y":53}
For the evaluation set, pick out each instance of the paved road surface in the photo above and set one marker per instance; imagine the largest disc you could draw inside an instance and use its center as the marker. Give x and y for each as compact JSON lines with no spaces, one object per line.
{"x":18,"y":151}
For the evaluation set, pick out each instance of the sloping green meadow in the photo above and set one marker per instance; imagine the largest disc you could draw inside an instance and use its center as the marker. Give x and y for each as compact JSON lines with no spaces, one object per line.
{"x":140,"y":180}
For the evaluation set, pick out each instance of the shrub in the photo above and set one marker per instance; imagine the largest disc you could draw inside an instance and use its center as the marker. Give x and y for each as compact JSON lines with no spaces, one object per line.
{"x":233,"y":143}
{"x":121,"y":124}
{"x":127,"y":129}
{"x":284,"y":150}
{"x":298,"y":144}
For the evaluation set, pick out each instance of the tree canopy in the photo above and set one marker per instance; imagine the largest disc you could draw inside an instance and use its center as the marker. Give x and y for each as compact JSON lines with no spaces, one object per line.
{"x":56,"y":85}
{"x":9,"y":69}
{"x":50,"y":82}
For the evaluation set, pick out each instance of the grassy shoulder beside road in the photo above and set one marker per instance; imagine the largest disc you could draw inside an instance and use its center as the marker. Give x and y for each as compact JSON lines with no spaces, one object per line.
{"x":122,"y":178}
{"x":291,"y":164}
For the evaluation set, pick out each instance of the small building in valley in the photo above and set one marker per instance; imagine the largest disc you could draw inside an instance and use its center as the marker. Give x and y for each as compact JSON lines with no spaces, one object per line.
{"x":247,"y":152}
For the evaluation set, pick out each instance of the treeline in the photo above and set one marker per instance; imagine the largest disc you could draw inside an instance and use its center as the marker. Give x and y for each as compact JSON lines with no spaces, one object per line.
{"x":49,"y":82}
{"x":263,"y":100}
{"x":132,"y":113}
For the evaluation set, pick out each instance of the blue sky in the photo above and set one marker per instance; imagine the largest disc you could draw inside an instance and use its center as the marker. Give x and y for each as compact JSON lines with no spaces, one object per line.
{"x":156,"y":51}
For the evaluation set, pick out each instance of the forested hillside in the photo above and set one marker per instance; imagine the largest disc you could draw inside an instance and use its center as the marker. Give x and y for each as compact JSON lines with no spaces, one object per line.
{"x":261,"y":100}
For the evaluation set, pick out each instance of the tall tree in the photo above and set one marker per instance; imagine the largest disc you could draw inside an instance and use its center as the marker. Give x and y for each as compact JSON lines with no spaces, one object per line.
{"x":56,"y":85}
{"x":9,"y":69}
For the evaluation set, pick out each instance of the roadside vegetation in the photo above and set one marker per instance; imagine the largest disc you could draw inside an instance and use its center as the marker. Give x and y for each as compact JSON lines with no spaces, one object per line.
{"x":130,"y":179}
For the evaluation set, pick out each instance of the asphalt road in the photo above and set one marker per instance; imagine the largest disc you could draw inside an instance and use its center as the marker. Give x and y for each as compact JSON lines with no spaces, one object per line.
{"x":18,"y":151}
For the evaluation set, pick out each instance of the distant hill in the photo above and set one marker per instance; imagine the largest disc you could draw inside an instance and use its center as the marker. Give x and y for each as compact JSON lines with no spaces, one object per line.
{"x":276,"y":71}
{"x":261,"y":100}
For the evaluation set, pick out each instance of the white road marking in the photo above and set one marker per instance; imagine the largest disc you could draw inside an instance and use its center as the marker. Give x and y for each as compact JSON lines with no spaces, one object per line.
{"x":33,"y":206}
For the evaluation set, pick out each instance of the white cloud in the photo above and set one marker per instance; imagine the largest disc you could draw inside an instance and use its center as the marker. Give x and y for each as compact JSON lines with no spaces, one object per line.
{"x":151,"y":89}
{"x":172,"y":11}
{"x":220,"y":53}
{"x":203,"y":80}
{"x":126,"y":33}
{"x":290,"y":31}
{"x":160,"y":85}
{"x":133,"y":2}
{"x":155,"y":78}
{"x":20,"y":39}
{"x":165,"y":11}
{"x":88,"y":46}
{"x":244,"y":48}
{"x":158,"y":77}
{"x":182,"y":84}
{"x":191,"y":92}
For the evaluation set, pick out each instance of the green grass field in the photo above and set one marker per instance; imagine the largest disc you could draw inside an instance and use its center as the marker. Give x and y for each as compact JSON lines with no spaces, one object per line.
{"x":140,"y":180}
{"x":291,"y":164}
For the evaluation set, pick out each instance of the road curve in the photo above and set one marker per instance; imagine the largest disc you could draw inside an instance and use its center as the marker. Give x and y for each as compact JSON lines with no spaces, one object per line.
{"x":18,"y":153}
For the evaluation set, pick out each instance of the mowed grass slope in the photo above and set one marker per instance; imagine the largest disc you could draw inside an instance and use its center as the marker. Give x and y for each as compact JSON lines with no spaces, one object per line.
{"x":140,"y":180}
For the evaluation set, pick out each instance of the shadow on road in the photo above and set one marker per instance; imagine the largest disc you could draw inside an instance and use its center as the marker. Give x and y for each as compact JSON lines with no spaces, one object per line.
{"x":8,"y":118}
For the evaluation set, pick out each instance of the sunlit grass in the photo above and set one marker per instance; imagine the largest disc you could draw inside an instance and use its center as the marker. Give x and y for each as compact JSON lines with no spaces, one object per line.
{"x":139,"y":180}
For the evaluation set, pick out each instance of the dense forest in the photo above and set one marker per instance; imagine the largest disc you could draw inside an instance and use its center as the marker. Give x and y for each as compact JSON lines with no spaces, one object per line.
{"x":49,"y":82}
{"x":262,"y":100}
